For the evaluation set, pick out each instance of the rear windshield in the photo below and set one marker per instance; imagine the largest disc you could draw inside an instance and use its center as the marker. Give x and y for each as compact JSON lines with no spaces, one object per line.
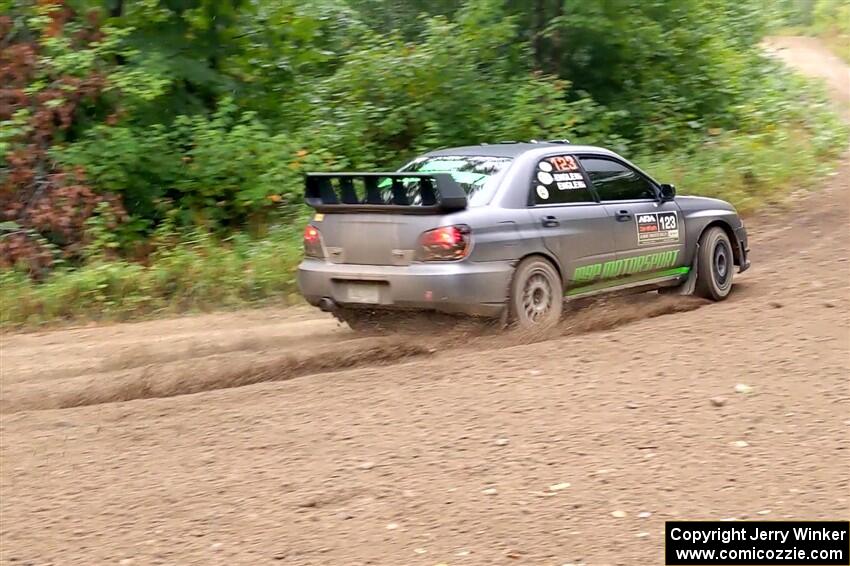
{"x":478,"y":175}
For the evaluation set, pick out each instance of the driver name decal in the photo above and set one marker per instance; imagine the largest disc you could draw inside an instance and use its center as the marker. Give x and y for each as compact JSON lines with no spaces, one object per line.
{"x":657,"y":228}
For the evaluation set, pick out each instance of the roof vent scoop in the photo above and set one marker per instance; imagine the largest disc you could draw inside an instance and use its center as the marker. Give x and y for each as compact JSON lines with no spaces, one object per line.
{"x":558,"y":141}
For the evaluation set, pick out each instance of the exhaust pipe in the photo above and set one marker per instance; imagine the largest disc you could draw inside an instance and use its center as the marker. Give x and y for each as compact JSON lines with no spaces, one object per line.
{"x":326,"y":304}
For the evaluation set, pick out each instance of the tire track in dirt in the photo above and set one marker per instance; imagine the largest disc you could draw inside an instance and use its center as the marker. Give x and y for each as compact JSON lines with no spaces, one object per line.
{"x":170,"y":380}
{"x":141,"y":378}
{"x":88,"y":350}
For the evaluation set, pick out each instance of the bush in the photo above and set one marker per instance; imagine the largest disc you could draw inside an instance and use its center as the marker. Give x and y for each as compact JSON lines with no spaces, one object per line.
{"x":196,"y":273}
{"x":220,"y":173}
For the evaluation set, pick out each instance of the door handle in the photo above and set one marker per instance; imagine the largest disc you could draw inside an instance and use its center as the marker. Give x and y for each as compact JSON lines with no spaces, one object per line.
{"x":623,"y":216}
{"x":550,"y":222}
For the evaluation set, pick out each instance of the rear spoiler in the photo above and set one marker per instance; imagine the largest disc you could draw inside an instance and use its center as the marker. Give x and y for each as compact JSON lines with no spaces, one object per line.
{"x":407,"y":193}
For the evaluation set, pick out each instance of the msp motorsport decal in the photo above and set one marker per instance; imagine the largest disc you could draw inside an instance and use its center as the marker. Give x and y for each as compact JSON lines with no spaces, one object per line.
{"x":657,"y":228}
{"x":628,"y":266}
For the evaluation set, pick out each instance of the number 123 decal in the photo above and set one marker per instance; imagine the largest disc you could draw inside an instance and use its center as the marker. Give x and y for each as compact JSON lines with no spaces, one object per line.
{"x":657,"y":228}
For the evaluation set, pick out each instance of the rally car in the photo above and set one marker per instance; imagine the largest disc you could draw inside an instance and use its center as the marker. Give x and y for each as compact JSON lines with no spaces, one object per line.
{"x":509,"y":230}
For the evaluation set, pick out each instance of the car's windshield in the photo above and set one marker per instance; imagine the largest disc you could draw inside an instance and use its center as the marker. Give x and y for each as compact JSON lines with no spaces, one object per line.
{"x":478,"y":175}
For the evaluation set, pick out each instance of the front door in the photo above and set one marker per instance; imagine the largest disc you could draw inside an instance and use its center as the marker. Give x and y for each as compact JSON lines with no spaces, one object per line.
{"x":574,"y":227}
{"x":649,"y":235}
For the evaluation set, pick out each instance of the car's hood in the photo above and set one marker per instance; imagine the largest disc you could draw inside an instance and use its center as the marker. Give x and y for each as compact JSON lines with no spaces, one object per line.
{"x":689,"y":203}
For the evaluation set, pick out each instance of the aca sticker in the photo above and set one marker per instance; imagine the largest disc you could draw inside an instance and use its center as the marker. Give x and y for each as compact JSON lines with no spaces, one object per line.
{"x":657,"y":228}
{"x":542,"y":192}
{"x":545,"y":166}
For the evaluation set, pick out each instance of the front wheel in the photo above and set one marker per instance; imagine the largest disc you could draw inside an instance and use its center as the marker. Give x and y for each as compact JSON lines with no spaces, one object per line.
{"x":715,"y":265}
{"x":536,"y":296}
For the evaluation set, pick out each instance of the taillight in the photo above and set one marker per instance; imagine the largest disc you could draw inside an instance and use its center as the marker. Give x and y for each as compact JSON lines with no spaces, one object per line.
{"x":313,"y":242}
{"x":447,"y":243}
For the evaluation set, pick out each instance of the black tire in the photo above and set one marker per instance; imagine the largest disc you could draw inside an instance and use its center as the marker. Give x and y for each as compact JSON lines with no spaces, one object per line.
{"x":537,"y":294}
{"x":715,"y":265}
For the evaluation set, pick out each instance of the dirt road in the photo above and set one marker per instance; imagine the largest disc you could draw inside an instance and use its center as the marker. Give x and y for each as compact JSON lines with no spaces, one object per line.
{"x":574,"y":448}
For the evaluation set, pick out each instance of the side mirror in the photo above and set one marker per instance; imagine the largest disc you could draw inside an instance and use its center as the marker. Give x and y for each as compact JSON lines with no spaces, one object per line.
{"x":668,"y":192}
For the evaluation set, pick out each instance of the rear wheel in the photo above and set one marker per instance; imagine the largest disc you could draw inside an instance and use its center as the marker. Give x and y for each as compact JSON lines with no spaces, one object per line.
{"x":536,"y":297}
{"x":715,"y":265}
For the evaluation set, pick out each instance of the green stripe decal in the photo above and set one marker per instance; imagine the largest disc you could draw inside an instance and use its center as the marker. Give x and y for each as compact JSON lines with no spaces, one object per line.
{"x":631,"y":279}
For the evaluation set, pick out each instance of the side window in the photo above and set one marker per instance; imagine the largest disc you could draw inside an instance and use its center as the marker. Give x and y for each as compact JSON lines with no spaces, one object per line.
{"x":615,"y":181}
{"x":558,"y":180}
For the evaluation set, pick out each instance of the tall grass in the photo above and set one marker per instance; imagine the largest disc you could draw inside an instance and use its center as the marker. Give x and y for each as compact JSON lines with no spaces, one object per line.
{"x":197,"y":273}
{"x":753,"y":171}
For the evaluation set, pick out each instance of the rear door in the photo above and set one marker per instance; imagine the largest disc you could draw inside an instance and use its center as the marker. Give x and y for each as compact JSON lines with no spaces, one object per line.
{"x":649,"y":235}
{"x":573,"y":225}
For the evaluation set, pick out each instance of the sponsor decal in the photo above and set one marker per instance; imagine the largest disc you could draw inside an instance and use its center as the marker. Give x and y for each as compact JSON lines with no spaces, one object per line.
{"x":545,"y":166}
{"x":544,"y":177}
{"x":319,"y":217}
{"x":627,"y":266}
{"x":657,"y":228}
{"x":542,"y":192}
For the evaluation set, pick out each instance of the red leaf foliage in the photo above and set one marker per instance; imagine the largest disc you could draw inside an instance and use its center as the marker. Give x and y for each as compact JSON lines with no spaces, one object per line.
{"x":35,"y":193}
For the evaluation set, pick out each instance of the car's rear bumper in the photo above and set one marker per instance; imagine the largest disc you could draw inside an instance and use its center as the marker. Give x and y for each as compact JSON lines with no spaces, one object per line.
{"x":472,"y":288}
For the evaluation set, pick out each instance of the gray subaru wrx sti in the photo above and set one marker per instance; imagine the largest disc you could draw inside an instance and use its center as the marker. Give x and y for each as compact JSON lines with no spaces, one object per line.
{"x":509,"y":230}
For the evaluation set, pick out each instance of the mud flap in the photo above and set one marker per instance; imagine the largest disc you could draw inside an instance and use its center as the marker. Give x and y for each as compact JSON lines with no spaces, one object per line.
{"x":690,"y":284}
{"x":504,"y":319}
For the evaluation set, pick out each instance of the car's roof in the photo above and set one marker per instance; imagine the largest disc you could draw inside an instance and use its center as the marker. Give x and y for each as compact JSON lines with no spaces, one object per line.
{"x":513,"y":149}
